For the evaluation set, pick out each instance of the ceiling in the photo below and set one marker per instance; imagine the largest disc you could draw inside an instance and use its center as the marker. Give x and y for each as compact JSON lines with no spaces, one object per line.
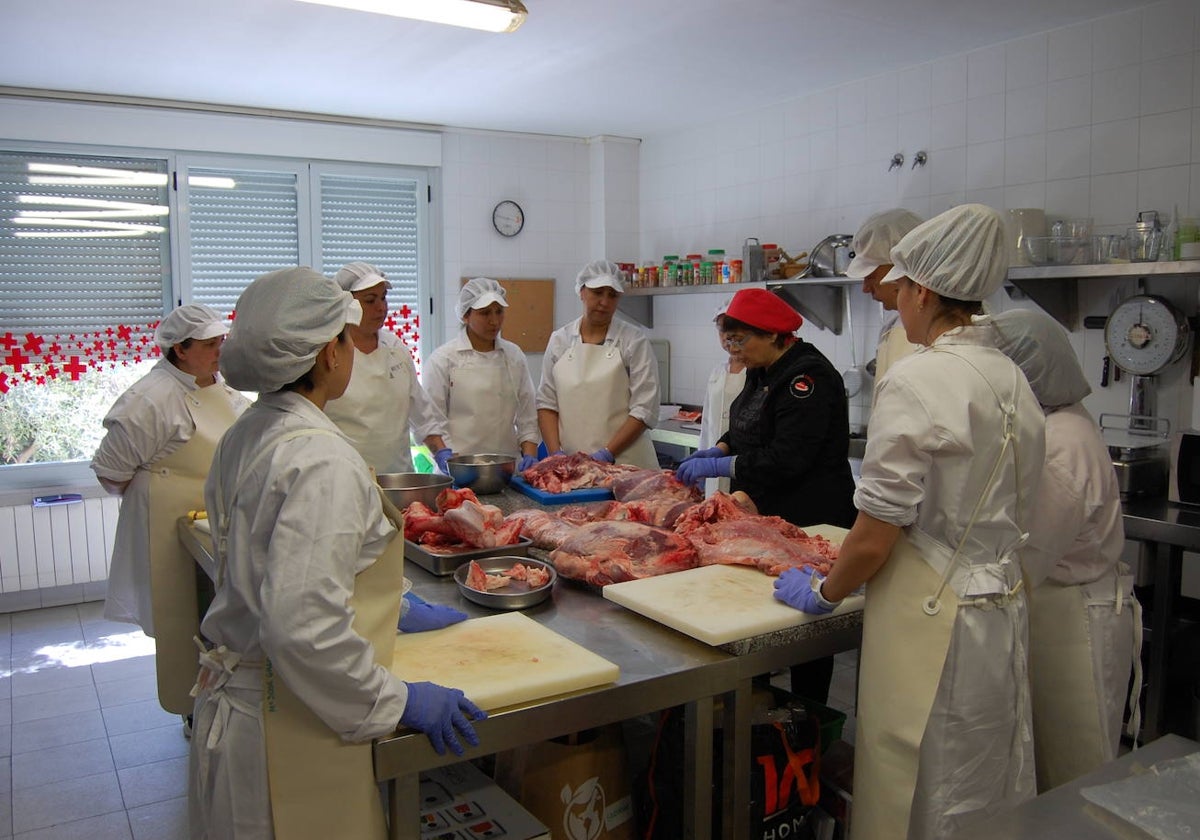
{"x":631,"y":68}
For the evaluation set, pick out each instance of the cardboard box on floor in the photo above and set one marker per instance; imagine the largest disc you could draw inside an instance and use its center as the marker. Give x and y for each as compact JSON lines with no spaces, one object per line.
{"x":459,"y":802}
{"x":579,"y":785}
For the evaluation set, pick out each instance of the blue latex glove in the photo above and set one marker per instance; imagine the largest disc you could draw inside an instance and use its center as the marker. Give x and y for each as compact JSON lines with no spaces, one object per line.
{"x":442,"y":714}
{"x":797,"y":587}
{"x":557,"y":452}
{"x":694,"y":471}
{"x":526,"y":462}
{"x":421,"y":616}
{"x":604,"y":456}
{"x":711,"y":452}
{"x":442,"y":457}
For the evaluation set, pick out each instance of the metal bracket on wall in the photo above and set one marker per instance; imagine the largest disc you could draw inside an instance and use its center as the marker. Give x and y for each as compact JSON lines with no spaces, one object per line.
{"x":822,"y":304}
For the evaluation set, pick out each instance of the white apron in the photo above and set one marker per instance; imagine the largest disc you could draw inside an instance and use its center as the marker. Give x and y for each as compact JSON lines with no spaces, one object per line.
{"x":481,"y":399}
{"x":316,"y":785}
{"x":373,"y":413}
{"x":1084,"y":639}
{"x":723,"y":387}
{"x":917,"y":714}
{"x":593,"y":402}
{"x":176,"y":485}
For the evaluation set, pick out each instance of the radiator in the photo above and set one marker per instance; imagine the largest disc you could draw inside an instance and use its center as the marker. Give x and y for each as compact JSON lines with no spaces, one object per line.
{"x":60,"y":545}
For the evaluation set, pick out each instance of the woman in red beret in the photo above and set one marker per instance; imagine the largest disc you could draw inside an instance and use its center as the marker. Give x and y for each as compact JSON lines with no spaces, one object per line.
{"x":789,"y":429}
{"x":789,"y":433}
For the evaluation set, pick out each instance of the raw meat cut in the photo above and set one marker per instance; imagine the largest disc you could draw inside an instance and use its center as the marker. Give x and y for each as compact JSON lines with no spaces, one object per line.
{"x":545,"y":529}
{"x":534,"y":577}
{"x":723,"y":531}
{"x":462,"y":523}
{"x":563,"y":473}
{"x":607,"y":552}
{"x":653,"y":484}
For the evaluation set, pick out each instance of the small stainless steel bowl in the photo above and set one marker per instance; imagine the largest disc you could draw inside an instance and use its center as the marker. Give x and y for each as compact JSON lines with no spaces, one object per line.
{"x":402,"y":489}
{"x":517,"y":595}
{"x":484,"y":473}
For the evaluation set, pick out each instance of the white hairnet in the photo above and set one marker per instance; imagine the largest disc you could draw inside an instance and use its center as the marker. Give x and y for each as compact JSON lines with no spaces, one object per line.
{"x":873,"y":243}
{"x":959,"y":254}
{"x":356,"y":276}
{"x":721,"y":308}
{"x":192,"y":320}
{"x":600,"y":273}
{"x":1041,"y":349}
{"x":283,"y":319}
{"x":478,"y":293}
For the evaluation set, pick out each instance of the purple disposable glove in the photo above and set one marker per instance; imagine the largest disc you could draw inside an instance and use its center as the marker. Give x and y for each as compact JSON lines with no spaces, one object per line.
{"x":442,"y":714}
{"x":526,"y":462}
{"x":421,"y":616}
{"x":797,"y":587}
{"x":604,"y":456}
{"x":711,"y":452}
{"x":695,"y":470}
{"x":442,"y":457}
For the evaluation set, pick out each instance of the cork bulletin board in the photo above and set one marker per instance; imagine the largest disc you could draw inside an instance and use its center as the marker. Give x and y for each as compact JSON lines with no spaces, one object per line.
{"x":529,"y":319}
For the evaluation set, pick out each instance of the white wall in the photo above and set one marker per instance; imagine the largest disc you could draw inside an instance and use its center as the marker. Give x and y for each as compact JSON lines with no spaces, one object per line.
{"x":580,"y":203}
{"x":1100,"y":119}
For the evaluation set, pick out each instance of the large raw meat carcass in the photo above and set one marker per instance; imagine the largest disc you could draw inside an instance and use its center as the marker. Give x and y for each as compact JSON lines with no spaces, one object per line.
{"x":563,"y":473}
{"x":461,"y":523}
{"x":547,"y":530}
{"x":653,"y":484}
{"x":607,"y":552}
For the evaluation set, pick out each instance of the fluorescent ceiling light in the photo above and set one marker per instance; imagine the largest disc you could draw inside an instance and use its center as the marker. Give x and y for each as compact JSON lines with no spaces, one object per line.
{"x":488,"y":15}
{"x":62,"y":175}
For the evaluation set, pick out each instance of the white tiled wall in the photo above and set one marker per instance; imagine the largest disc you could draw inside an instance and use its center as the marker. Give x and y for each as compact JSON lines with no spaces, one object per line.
{"x":1099,"y":119}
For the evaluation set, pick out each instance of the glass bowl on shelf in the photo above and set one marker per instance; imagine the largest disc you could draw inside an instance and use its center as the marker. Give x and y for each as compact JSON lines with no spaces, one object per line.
{"x":1057,"y":250}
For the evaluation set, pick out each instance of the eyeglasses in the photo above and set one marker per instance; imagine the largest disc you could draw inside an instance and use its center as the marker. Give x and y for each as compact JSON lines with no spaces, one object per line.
{"x":734,"y":342}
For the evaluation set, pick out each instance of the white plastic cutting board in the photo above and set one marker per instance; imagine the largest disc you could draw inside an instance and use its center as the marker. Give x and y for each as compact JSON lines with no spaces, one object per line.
{"x":500,"y":660}
{"x":721,"y":604}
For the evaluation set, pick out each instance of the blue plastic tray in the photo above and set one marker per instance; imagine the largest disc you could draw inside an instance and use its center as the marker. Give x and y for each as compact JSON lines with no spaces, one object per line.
{"x":584,"y":494}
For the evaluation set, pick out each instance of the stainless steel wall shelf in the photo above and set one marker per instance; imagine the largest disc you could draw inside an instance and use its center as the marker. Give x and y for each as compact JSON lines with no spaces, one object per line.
{"x":1053,"y":287}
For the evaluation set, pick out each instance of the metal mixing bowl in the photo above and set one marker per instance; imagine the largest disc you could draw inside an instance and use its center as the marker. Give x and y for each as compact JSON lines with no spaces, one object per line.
{"x":402,"y":489}
{"x":484,"y":473}
{"x":517,"y":595}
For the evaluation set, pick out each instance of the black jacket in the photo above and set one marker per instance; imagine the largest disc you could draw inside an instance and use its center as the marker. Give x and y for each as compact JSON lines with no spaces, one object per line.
{"x":790,"y":431}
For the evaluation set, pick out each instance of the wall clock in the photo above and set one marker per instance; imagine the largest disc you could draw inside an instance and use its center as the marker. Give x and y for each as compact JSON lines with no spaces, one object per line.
{"x":508,"y":218}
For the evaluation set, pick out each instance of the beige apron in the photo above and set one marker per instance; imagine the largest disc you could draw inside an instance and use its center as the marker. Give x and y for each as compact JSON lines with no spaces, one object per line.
{"x":593,"y":402}
{"x":177,"y":486}
{"x":892,"y":348}
{"x":374,"y":410}
{"x":908,"y":621}
{"x":1073,"y":735}
{"x":322,"y":787}
{"x":898,"y":684}
{"x":481,"y":400}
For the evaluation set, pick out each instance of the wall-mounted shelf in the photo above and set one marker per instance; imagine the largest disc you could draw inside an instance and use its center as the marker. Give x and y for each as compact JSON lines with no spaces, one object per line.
{"x":1053,"y":287}
{"x":819,"y":299}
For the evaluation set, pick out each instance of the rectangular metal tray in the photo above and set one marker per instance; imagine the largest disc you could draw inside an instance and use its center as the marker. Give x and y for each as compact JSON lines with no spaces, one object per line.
{"x":445,"y":564}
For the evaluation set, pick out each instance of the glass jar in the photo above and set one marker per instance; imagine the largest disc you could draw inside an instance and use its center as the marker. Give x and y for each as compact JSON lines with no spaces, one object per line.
{"x":668,"y":277}
{"x":735,"y":271}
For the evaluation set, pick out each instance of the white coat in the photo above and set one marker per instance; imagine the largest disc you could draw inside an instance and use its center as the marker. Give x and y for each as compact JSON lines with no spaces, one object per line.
{"x":1076,"y":536}
{"x":148,"y":422}
{"x":383,"y":403}
{"x":892,"y":346}
{"x":638,"y":359}
{"x":719,"y":394}
{"x":305,"y":520}
{"x":926,"y":465}
{"x":506,"y":371}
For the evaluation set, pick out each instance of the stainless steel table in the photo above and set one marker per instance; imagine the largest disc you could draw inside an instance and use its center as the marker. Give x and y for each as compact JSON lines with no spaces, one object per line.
{"x":660,"y":668}
{"x":1169,"y":530}
{"x":1064,"y":813}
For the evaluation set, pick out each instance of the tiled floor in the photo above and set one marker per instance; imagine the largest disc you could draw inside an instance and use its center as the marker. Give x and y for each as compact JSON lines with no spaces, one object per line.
{"x":85,"y":749}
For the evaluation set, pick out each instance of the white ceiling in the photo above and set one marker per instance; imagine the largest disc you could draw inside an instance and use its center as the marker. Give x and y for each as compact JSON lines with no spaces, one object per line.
{"x":577,"y":67}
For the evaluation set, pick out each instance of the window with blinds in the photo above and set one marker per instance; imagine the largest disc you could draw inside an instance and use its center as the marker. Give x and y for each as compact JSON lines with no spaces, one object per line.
{"x":86,"y":269}
{"x":241,"y":224}
{"x":84,"y":243}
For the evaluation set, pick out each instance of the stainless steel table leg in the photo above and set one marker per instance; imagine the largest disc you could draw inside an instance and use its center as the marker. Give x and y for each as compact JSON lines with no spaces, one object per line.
{"x":735,"y":789}
{"x":697,"y":769}
{"x":404,"y":808}
{"x":1168,"y":564}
